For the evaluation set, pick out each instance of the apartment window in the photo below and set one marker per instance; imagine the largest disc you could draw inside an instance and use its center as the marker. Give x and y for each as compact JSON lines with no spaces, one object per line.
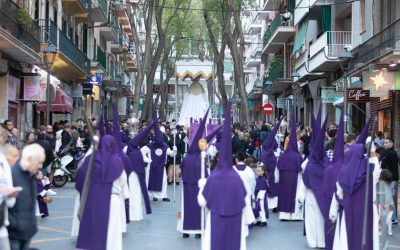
{"x":362,"y":16}
{"x":36,"y":10}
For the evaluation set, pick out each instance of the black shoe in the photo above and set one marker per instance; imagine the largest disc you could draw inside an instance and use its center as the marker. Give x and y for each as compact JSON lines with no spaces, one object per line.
{"x":177,"y":183}
{"x":257,"y":223}
{"x":155,"y":199}
{"x":198,"y":236}
{"x":275,"y":210}
{"x":185,"y":236}
{"x":166,"y":199}
{"x":170,"y":183}
{"x":262,"y":224}
{"x":394,"y":222}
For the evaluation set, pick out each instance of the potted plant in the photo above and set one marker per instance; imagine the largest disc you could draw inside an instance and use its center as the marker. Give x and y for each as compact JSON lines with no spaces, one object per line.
{"x":23,"y":17}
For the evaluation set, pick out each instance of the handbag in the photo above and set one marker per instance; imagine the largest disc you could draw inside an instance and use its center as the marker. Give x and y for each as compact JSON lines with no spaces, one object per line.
{"x":47,"y":199}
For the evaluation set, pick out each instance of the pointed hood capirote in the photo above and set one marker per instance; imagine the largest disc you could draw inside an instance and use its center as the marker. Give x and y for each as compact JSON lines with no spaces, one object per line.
{"x":191,"y":163}
{"x":293,"y":135}
{"x":364,"y":132}
{"x":199,"y":133}
{"x":158,"y":138}
{"x":224,"y":191}
{"x":338,"y":153}
{"x":270,"y":142}
{"x":314,"y":171}
{"x":316,"y":126}
{"x":225,"y":153}
{"x":216,"y":132}
{"x":330,"y":179}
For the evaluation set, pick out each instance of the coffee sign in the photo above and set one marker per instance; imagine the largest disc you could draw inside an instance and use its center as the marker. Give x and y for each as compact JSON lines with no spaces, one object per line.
{"x":358,"y":95}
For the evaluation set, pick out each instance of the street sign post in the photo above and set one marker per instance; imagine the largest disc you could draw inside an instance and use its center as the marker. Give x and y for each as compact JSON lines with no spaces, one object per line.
{"x":268,"y":109}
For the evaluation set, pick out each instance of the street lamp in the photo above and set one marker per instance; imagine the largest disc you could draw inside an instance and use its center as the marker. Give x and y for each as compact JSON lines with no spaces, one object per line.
{"x":49,"y":55}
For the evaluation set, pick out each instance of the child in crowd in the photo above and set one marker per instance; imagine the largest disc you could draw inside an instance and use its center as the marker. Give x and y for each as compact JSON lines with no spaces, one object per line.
{"x":385,"y":201}
{"x":260,"y":194}
{"x":42,"y":196}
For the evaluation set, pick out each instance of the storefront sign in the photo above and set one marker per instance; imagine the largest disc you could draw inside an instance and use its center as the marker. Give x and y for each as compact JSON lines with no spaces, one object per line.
{"x":328,"y":95}
{"x":378,"y":82}
{"x":13,"y":88}
{"x":358,"y":95}
{"x":280,"y":103}
{"x":32,"y":91}
{"x":95,"y":80}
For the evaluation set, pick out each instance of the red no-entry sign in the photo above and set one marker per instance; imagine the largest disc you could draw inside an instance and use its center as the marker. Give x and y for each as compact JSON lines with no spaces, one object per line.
{"x":268,"y":109}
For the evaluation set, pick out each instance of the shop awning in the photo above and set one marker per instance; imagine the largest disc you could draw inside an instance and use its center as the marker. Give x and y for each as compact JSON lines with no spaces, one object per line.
{"x":300,"y":38}
{"x":61,"y":104}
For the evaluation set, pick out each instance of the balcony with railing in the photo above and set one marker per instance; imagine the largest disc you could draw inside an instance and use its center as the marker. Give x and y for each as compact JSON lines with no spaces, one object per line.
{"x":254,"y":27}
{"x":20,"y":40}
{"x":278,"y":33}
{"x":325,"y":51}
{"x":99,"y":11}
{"x":382,"y":48}
{"x":71,"y":62}
{"x":77,"y":8}
{"x":110,"y":32}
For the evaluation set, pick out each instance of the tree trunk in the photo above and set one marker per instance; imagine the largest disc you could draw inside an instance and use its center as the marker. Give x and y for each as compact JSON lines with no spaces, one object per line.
{"x":237,"y":57}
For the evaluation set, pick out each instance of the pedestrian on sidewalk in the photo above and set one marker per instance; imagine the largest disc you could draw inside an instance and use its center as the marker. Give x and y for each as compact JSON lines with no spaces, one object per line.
{"x":391,"y":161}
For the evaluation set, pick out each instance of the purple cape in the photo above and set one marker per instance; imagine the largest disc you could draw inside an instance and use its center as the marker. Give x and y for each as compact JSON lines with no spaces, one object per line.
{"x":352,"y":178}
{"x":262,"y":184}
{"x":329,"y":183}
{"x":289,"y":166}
{"x":107,"y":168}
{"x":157,"y":166}
{"x":138,"y":164}
{"x":269,"y":159}
{"x":225,"y":195}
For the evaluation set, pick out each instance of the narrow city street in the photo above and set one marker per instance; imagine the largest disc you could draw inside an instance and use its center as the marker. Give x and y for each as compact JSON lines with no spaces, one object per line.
{"x":158,"y":231}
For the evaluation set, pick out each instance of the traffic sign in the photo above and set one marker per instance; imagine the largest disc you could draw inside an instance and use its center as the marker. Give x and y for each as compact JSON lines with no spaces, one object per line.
{"x":268,"y":109}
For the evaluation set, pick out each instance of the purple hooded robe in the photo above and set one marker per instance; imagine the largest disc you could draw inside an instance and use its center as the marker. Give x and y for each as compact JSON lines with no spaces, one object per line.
{"x":352,"y":178}
{"x":107,"y":167}
{"x":191,"y":173}
{"x":225,"y":195}
{"x":269,"y":159}
{"x":289,"y":166}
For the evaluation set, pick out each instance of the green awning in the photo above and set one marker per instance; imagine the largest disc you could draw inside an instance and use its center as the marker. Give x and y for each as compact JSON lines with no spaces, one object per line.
{"x":326,"y":17}
{"x":300,"y":37}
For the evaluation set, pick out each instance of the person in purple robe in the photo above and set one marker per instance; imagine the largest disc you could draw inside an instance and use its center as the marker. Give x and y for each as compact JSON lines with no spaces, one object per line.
{"x":312,"y":196}
{"x":224,"y":193}
{"x":351,"y":193}
{"x":269,"y":159}
{"x":260,"y":193}
{"x":190,"y":221}
{"x":289,"y":166}
{"x":125,"y":159}
{"x":139,"y":181}
{"x":98,"y":214}
{"x":42,"y":193}
{"x":159,"y":151}
{"x":329,"y":182}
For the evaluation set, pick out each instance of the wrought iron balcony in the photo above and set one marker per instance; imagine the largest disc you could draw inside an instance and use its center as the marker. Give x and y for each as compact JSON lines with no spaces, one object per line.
{"x":383,"y":44}
{"x":275,"y":72}
{"x":51,"y":33}
{"x":27,"y":33}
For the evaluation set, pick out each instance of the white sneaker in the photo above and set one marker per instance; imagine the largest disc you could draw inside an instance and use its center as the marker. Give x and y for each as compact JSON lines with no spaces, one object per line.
{"x":390,"y":232}
{"x":51,"y":192}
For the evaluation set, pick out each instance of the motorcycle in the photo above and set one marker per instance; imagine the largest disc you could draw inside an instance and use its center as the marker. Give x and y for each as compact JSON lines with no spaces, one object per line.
{"x":67,"y":169}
